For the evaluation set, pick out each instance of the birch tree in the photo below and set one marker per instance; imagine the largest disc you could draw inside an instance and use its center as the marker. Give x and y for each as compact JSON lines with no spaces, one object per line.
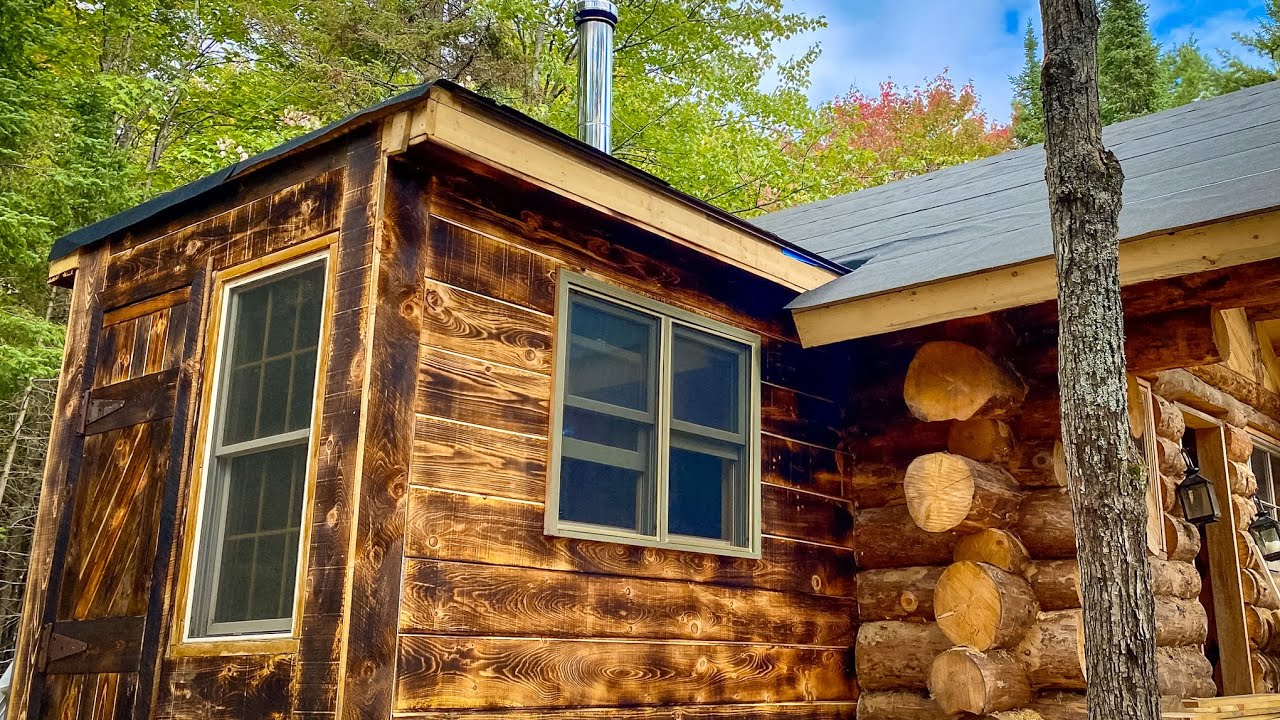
{"x":1106,"y":478}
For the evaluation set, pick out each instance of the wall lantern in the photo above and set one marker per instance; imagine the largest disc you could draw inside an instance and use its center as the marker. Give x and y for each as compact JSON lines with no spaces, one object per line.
{"x":1195,"y":494}
{"x":1266,"y":533}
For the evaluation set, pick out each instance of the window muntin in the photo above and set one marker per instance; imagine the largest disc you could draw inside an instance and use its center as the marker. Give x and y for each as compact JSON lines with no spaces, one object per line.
{"x":655,"y":439}
{"x":245,"y":574}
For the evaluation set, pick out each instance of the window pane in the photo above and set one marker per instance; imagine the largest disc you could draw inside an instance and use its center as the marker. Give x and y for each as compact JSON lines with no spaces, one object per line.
{"x":1260,"y":463}
{"x":611,"y":356}
{"x":260,"y":535}
{"x":283,"y":317}
{"x":250,"y":325}
{"x":606,"y":495}
{"x":603,"y":429}
{"x":707,"y":381}
{"x":276,"y":328}
{"x":707,"y":490}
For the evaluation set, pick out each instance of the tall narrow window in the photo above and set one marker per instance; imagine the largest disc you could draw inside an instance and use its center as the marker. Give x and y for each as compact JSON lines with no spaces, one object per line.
{"x":250,"y":526}
{"x":656,"y":420}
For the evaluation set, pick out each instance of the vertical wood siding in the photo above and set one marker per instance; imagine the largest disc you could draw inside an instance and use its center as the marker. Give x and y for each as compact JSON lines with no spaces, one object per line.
{"x":499,"y":620}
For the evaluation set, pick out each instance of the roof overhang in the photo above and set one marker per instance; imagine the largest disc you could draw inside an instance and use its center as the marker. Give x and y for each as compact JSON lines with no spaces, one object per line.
{"x":1150,"y":257}
{"x":468,"y":124}
{"x":459,"y":119}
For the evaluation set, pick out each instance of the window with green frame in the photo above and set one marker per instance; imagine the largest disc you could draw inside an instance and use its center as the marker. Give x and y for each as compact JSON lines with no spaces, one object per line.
{"x":656,"y":416}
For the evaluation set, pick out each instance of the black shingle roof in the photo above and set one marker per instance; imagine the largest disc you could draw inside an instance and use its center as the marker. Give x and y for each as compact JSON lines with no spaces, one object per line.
{"x":1191,"y":165}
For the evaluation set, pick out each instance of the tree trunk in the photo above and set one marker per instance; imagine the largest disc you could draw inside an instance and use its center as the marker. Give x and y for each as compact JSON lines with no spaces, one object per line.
{"x":1108,"y":486}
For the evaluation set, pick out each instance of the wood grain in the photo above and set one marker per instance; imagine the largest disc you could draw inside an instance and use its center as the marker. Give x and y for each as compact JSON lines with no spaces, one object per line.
{"x":482,"y":393}
{"x":467,"y":458}
{"x":450,"y":526}
{"x":107,"y":570}
{"x":92,"y":696}
{"x":471,"y":324}
{"x":806,"y":467}
{"x":319,"y":647}
{"x":145,"y":398}
{"x":488,"y":673}
{"x":62,"y":467}
{"x":489,"y":267}
{"x":498,"y":205}
{"x":805,"y":516}
{"x":445,"y":598}
{"x":378,"y":547}
{"x":233,"y":687}
{"x":770,"y":711}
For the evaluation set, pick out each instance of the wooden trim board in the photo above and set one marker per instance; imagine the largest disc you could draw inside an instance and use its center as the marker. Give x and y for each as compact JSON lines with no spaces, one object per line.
{"x":1224,"y":567}
{"x":1154,"y":257}
{"x":445,"y":120}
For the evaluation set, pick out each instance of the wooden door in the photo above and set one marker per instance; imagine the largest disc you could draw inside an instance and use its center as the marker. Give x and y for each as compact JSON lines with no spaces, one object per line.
{"x":100,"y":611}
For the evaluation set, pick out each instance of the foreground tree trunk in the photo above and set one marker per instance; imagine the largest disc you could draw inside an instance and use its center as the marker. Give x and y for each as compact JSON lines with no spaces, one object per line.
{"x":1107,"y":485}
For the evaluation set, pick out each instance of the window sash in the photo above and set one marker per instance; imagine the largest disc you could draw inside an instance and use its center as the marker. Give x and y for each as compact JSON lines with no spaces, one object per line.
{"x":212,"y":507}
{"x":745,"y":502}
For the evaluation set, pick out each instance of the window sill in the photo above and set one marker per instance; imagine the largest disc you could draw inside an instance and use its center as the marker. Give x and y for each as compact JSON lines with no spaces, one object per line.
{"x":709,"y":548}
{"x":234,"y":646}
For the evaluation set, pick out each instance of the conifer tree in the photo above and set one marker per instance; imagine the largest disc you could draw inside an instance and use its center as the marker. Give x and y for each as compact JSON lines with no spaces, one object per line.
{"x":1130,"y":78}
{"x":1028,"y":110}
{"x":1265,"y":41}
{"x":1191,"y":75}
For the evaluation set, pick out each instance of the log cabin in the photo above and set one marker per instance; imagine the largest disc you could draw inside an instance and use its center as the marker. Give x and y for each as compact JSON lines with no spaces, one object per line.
{"x":438,"y":413}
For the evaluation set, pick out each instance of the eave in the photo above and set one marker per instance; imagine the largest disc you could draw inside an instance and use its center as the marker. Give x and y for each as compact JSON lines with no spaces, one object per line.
{"x":1152,"y":257}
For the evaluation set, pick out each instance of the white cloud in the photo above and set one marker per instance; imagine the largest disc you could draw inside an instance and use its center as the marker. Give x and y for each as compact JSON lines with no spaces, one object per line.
{"x":908,"y":41}
{"x":869,"y":41}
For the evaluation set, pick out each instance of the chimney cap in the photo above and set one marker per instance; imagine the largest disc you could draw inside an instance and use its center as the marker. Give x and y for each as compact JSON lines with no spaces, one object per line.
{"x":596,"y":10}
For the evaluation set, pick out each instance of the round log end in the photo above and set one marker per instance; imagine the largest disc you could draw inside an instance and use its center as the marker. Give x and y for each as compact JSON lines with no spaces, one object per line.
{"x":982,"y":606}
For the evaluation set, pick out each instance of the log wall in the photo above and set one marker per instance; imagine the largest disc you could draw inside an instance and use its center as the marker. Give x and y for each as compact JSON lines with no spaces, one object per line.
{"x":968,"y":583}
{"x":500,"y":620}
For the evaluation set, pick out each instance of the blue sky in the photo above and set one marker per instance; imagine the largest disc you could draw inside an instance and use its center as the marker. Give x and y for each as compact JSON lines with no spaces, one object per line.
{"x":867,"y":41}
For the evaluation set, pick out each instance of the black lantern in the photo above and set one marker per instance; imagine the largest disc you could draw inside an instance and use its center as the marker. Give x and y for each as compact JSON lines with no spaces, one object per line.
{"x":1266,"y":533}
{"x":1195,"y":494}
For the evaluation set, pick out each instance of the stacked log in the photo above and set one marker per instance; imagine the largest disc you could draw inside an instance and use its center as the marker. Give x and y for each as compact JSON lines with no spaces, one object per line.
{"x":1182,"y":624}
{"x":895,"y":655}
{"x":1005,"y":501}
{"x":969,"y":590}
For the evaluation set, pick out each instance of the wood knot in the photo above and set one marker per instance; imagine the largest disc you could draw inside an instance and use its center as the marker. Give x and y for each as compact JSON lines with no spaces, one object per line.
{"x":816,"y":582}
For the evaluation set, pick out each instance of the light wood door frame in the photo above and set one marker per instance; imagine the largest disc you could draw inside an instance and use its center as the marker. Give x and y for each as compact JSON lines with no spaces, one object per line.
{"x":1224,"y":563}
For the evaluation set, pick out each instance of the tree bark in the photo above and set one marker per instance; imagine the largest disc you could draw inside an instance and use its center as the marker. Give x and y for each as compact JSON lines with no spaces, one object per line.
{"x":1107,"y":484}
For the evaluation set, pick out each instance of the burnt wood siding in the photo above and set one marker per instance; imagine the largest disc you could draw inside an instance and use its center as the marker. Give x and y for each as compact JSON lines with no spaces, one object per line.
{"x":499,"y":620}
{"x":110,"y":543}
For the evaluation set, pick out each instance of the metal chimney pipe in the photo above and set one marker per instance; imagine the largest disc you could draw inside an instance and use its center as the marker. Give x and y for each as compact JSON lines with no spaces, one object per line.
{"x":595,"y":20}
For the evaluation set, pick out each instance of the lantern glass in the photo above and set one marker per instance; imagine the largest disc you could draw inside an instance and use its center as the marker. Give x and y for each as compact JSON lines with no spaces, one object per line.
{"x":1199,"y":504}
{"x":1266,"y":533}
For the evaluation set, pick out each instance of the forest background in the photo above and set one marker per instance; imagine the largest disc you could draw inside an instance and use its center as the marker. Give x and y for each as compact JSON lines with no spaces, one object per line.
{"x":104,"y":104}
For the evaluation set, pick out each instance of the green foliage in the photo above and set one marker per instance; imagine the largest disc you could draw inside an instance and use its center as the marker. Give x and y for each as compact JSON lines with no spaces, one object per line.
{"x":1028,"y":107}
{"x":29,"y":347}
{"x":1131,"y":81}
{"x":1263,"y":42}
{"x":1191,"y":75}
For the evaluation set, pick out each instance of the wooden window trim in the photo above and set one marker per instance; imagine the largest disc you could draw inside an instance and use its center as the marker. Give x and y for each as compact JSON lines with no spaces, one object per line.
{"x":267,"y":643}
{"x":568,"y":281}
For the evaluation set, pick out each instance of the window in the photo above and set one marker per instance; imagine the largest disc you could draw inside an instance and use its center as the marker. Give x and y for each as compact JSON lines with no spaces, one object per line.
{"x":1265,"y":464}
{"x":245,"y":572}
{"x":655,"y":439}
